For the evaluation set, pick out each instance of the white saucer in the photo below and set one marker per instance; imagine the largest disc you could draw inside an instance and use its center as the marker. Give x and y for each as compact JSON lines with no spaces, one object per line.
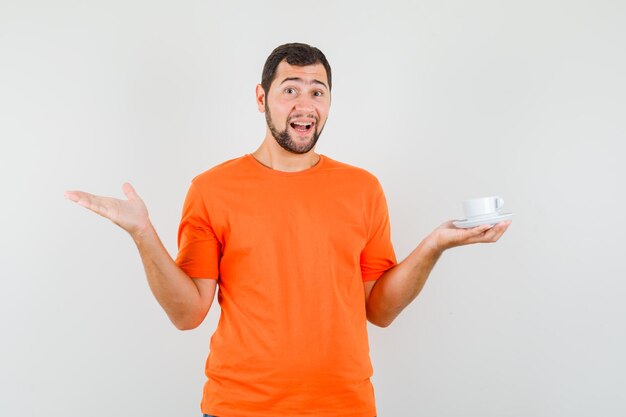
{"x":473,"y":222}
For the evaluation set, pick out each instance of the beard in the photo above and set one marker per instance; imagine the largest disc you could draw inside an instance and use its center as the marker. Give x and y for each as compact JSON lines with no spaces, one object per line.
{"x":286,"y":141}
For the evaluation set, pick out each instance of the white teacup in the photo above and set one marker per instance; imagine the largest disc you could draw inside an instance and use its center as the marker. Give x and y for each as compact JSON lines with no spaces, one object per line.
{"x":482,"y":207}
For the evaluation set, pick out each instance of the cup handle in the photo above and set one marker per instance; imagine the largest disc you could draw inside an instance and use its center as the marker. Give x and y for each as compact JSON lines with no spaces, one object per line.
{"x":499,"y":203}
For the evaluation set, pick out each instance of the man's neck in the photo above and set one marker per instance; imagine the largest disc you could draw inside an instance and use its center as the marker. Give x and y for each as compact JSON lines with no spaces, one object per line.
{"x":282,"y":160}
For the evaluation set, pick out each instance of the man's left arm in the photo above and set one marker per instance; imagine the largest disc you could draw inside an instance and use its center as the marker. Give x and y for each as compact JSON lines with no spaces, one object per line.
{"x":386,"y":297}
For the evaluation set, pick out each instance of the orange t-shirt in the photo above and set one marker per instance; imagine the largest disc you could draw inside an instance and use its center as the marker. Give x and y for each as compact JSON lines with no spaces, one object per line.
{"x":290,"y":251}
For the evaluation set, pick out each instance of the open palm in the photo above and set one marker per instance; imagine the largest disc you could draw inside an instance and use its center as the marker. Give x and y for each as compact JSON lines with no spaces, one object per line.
{"x":131,"y":214}
{"x":448,"y":236}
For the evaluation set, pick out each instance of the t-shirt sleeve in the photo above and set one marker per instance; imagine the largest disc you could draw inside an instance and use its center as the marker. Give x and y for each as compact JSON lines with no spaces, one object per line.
{"x":378,"y":254}
{"x":198,"y":247}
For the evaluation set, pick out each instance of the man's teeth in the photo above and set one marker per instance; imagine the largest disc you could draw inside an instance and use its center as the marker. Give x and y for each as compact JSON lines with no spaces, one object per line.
{"x":301,"y":126}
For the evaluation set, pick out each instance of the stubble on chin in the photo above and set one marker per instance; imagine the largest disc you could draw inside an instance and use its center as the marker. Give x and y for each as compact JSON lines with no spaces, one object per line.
{"x":286,"y":141}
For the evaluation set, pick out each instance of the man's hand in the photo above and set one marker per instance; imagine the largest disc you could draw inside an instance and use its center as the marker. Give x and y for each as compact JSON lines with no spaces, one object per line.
{"x":398,"y":286}
{"x":131,"y":215}
{"x":185,"y":301}
{"x":449,"y":236}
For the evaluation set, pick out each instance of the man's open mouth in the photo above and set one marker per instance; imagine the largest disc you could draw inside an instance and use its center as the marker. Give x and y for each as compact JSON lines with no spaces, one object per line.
{"x":301,"y":126}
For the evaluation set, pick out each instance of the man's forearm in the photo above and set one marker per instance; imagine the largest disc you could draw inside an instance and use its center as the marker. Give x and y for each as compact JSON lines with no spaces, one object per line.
{"x":399,"y":286}
{"x":173,"y":289}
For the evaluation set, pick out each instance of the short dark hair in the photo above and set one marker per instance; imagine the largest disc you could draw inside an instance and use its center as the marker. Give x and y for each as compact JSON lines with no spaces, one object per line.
{"x":299,"y":54}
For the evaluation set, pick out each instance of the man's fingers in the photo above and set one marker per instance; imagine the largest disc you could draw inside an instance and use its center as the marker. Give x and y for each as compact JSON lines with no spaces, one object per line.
{"x":487,"y":233}
{"x":483,"y":228}
{"x":129,"y":191}
{"x":478,"y":231}
{"x":495,"y":232}
{"x":80,"y":197}
{"x":448,"y":225}
{"x":500,"y":229}
{"x":72,"y":195}
{"x":90,"y":201}
{"x":454,"y":236}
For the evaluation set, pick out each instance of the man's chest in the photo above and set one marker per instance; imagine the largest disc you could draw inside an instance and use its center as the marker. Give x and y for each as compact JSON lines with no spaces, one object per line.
{"x":291,"y":220}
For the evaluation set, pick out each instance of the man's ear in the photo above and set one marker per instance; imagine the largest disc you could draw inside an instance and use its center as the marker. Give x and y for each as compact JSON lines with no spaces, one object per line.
{"x":260,"y":98}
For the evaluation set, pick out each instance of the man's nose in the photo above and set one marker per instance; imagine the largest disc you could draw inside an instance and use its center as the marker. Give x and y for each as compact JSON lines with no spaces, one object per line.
{"x":304,"y":103}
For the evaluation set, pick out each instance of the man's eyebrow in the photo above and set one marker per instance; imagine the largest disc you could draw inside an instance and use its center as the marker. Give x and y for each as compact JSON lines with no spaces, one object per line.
{"x":301,"y":80}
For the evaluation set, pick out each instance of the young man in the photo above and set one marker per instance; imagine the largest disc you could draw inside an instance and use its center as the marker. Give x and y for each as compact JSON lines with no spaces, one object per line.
{"x":300,"y":246}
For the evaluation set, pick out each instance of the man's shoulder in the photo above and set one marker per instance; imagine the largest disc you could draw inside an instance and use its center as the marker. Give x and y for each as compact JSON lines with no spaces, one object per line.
{"x":352,"y":171}
{"x":221,"y":170}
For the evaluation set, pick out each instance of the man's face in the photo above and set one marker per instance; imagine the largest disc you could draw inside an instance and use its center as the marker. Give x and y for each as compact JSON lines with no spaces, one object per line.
{"x":296,"y":106}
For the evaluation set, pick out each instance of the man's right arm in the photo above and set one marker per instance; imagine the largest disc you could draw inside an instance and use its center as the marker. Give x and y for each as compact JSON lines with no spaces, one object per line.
{"x":185,"y":300}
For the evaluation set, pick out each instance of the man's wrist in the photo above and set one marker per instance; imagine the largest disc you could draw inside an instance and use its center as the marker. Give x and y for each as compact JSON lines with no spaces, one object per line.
{"x":143,"y":232}
{"x":433,"y":243}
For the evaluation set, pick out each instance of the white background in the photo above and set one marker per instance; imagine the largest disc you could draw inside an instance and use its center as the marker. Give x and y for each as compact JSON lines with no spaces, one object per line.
{"x":442,"y":100}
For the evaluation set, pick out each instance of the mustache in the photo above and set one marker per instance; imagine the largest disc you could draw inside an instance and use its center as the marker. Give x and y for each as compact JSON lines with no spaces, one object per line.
{"x":303,"y":116}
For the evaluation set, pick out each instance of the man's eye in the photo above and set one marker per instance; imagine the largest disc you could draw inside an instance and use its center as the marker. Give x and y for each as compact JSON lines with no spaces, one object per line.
{"x":290,"y":90}
{"x":318,"y":94}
